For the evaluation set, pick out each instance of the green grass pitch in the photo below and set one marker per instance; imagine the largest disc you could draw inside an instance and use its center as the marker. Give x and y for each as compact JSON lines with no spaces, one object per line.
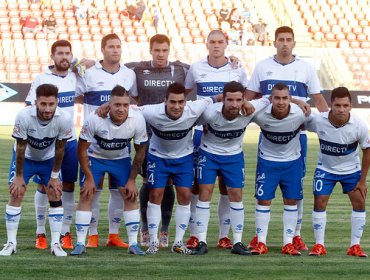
{"x":114,"y":263}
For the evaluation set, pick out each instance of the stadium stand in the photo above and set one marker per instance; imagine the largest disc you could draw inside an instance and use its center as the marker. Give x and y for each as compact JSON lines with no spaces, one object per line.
{"x":337,"y":24}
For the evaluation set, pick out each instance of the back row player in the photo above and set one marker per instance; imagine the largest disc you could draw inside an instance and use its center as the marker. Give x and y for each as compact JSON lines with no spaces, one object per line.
{"x":153,"y":78}
{"x":209,"y":76}
{"x":59,"y":76}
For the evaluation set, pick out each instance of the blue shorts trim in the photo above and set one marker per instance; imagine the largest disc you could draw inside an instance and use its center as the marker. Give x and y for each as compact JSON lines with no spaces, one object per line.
{"x":180,"y":170}
{"x":324,"y":182}
{"x":118,"y":170}
{"x":271,"y":174}
{"x":41,"y":169}
{"x":230,"y":167}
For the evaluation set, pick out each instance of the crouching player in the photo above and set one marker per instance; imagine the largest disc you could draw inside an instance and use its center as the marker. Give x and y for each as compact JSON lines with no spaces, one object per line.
{"x":220,"y":153}
{"x":103,"y":148}
{"x":41,"y":132}
{"x":339,"y":134}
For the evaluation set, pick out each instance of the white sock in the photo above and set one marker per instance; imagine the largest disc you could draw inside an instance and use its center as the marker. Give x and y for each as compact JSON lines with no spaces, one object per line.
{"x":83,"y":219}
{"x":69,"y":207}
{"x":223,"y":216}
{"x":358,"y":221}
{"x":132,"y":222}
{"x":55,"y":222}
{"x":262,"y":222}
{"x":237,"y":220}
{"x":193,"y":208}
{"x":41,"y":204}
{"x":202,"y":219}
{"x":93,"y":228}
{"x":319,"y":224}
{"x":153,"y":214}
{"x":299,"y":220}
{"x":12,"y":217}
{"x":290,"y":216}
{"x":182,"y":216}
{"x":115,"y":211}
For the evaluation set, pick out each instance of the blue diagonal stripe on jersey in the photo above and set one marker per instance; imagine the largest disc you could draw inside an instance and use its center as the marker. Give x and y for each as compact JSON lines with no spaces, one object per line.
{"x":336,"y":149}
{"x":113,"y":144}
{"x":280,"y":137}
{"x":229,"y":134}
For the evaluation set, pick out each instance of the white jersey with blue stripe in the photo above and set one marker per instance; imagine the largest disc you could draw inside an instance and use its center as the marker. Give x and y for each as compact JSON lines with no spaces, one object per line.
{"x":298,"y":75}
{"x":338,"y":152}
{"x":41,"y":138}
{"x":110,"y":141}
{"x":173,"y":138}
{"x":66,"y":92}
{"x":225,"y":137}
{"x":280,"y":137}
{"x":97,"y":84}
{"x":209,"y":80}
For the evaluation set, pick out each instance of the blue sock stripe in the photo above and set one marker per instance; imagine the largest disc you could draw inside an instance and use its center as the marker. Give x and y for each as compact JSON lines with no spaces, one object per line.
{"x":359,"y":211}
{"x":319,"y":211}
{"x":40,"y":191}
{"x":290,"y":210}
{"x":133,"y":223}
{"x":83,"y":225}
{"x":203,"y":207}
{"x":237,"y":209}
{"x":262,"y":211}
{"x":12,"y":214}
{"x":55,"y":215}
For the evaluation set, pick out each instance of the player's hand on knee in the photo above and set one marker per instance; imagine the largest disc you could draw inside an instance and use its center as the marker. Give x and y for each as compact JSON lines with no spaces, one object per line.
{"x":55,"y":186}
{"x":130,"y":190}
{"x":362,"y":188}
{"x":18,"y":187}
{"x":88,"y":190}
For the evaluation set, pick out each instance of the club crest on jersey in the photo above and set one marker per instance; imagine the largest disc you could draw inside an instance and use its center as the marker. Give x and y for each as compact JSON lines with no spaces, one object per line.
{"x":269,"y":73}
{"x":31,"y":131}
{"x":104,"y":132}
{"x":100,"y":84}
{"x":146,"y":72}
{"x":203,"y":76}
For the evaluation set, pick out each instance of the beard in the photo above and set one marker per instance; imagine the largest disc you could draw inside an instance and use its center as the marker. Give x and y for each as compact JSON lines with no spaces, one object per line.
{"x":61,"y":67}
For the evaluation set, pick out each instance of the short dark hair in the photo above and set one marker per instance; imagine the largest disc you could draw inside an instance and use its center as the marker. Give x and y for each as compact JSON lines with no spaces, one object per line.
{"x":119,"y":91}
{"x":108,"y":37}
{"x":340,"y":92}
{"x":283,"y":29}
{"x":279,"y":86}
{"x":176,"y":88}
{"x":46,"y":90}
{"x":60,"y":43}
{"x":233,"y":87}
{"x":216,"y":31}
{"x":159,"y":38}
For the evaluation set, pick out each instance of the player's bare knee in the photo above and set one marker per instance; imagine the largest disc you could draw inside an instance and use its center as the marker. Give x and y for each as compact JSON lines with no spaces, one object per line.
{"x":235,"y":194}
{"x":68,"y":186}
{"x":264,"y":202}
{"x":156,"y":196}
